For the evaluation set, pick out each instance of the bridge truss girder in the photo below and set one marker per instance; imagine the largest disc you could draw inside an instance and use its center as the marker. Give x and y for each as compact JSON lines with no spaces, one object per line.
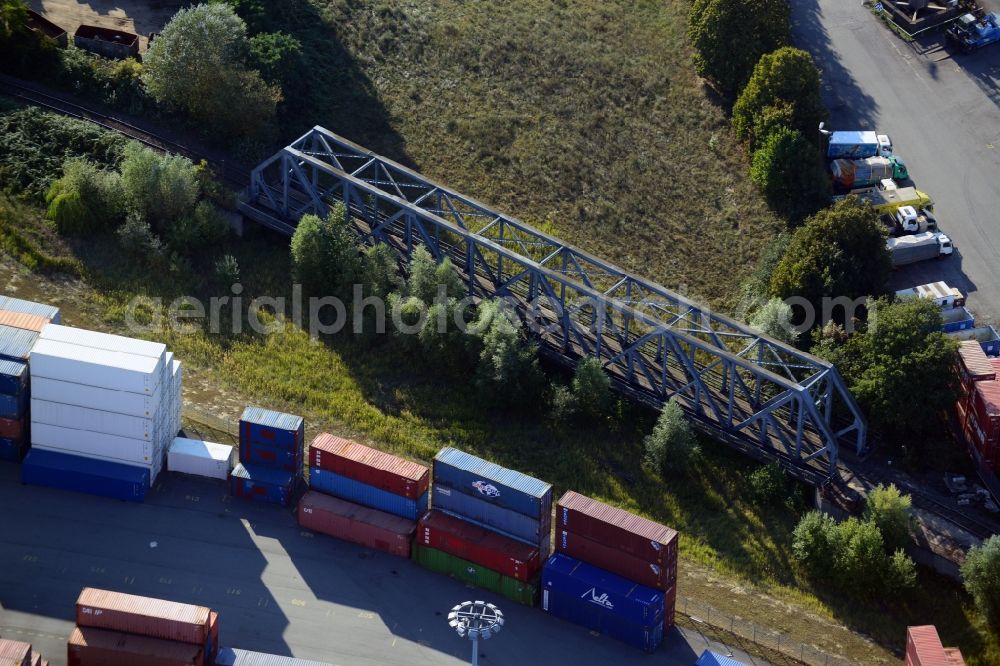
{"x":654,"y":343}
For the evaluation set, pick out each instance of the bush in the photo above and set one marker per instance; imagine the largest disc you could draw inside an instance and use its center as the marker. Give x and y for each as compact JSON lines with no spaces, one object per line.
{"x":730,"y":36}
{"x":789,"y":174}
{"x":813,"y":544}
{"x":890,"y":510}
{"x":137,"y":238}
{"x":981,"y":572}
{"x":202,"y":228}
{"x":786,"y":76}
{"x":901,"y":574}
{"x":562,"y":403}
{"x":227,"y":270}
{"x":86,"y":199}
{"x":860,"y":563}
{"x":163,"y":188}
{"x":325,"y":257}
{"x":508,"y":368}
{"x":672,"y":445}
{"x":772,"y":118}
{"x":769,"y":483}
{"x":775,"y":320}
{"x":116,"y":83}
{"x":591,"y":388}
{"x":381,"y":270}
{"x":428,"y":279}
{"x":23,"y":52}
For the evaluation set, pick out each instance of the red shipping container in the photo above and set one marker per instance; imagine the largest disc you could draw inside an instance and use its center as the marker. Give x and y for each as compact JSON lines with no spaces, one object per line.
{"x":355,"y":523}
{"x":986,"y":404}
{"x":923,"y":648}
{"x":479,"y":545}
{"x":156,"y":618}
{"x":12,"y":428}
{"x":974,"y":365}
{"x":669,"y":608}
{"x":367,"y":465}
{"x":643,"y":538}
{"x":14,"y":652}
{"x":213,"y":630}
{"x":88,"y":646}
{"x":28,"y":322}
{"x":36,"y":658}
{"x":617,"y":561}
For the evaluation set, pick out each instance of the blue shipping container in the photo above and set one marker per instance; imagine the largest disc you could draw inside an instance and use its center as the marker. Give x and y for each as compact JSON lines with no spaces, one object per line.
{"x":513,"y":524}
{"x":586,"y":614}
{"x":343,"y":487}
{"x":268,"y":455}
{"x":12,"y":406}
{"x":16,"y":343}
{"x":493,"y":483}
{"x":263,"y":484}
{"x":30,"y":307}
{"x":85,"y":475}
{"x":269,"y":427}
{"x":956,"y":319}
{"x":709,"y":658}
{"x":13,"y":377}
{"x":234,"y":657}
{"x":12,"y":450}
{"x":604,"y":590}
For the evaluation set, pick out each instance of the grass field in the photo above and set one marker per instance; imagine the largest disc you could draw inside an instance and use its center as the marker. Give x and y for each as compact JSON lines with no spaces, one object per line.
{"x":583,"y":117}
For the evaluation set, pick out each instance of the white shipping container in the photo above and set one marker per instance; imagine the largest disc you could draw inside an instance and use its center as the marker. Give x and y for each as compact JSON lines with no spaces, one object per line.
{"x":94,"y":444}
{"x":92,"y":397}
{"x":95,"y":367}
{"x":94,"y":420}
{"x":105,"y":341}
{"x":193,"y":456}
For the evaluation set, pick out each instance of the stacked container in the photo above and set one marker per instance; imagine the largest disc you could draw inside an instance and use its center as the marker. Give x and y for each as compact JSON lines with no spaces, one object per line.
{"x":49,"y":312}
{"x":494,"y":512}
{"x":104,"y":398}
{"x":20,"y":324}
{"x":978,"y":409}
{"x":363,"y":495}
{"x":115,"y":628}
{"x":18,"y":653}
{"x":270,"y":456}
{"x":13,"y":407}
{"x":607,"y":549}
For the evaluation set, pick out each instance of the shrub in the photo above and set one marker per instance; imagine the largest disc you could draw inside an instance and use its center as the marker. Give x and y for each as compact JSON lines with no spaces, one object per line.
{"x":116,"y":83}
{"x":770,"y":119}
{"x":861,"y":561}
{"x":227,"y":270}
{"x":163,"y":188}
{"x":787,"y":76}
{"x":381,"y":270}
{"x":813,"y":542}
{"x":325,"y":257}
{"x":981,"y":573}
{"x":562,"y":403}
{"x":508,"y":368}
{"x":769,"y":483}
{"x":775,"y":319}
{"x":85,"y":200}
{"x":901,"y":574}
{"x":890,"y":510}
{"x":789,"y":174}
{"x":23,"y":51}
{"x":137,"y":238}
{"x":202,"y":228}
{"x":672,"y":444}
{"x":591,"y":388}
{"x":730,"y":36}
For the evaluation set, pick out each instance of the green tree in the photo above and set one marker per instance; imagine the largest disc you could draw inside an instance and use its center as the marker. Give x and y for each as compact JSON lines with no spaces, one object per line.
{"x":227,"y":270}
{"x":860,"y":562}
{"x":981,"y":574}
{"x":162,"y":188}
{"x":421,"y":282}
{"x":901,"y":369}
{"x":137,"y":238}
{"x":813,"y":544}
{"x":325,"y":257}
{"x":769,"y":482}
{"x":278,"y":58}
{"x":839,"y":252}
{"x":730,"y":36}
{"x":770,"y":119}
{"x":672,"y":445}
{"x":890,"y":510}
{"x":22,"y":50}
{"x":86,"y":199}
{"x":787,"y":76}
{"x":198,"y":64}
{"x":901,"y":573}
{"x":591,"y":388}
{"x":508,"y":370}
{"x":381,"y":270}
{"x":199,"y":229}
{"x":774,"y":318}
{"x":789,"y":174}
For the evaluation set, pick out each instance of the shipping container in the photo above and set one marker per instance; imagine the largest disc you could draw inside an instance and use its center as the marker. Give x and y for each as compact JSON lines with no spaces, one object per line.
{"x":270,"y":455}
{"x":371,"y":466}
{"x":477,"y":575}
{"x":89,"y":646}
{"x":14,"y":428}
{"x":14,"y":652}
{"x":511,"y":523}
{"x":194,"y":456}
{"x":16,"y":343}
{"x":23,"y":320}
{"x":105,"y":341}
{"x":146,"y":616}
{"x":612,"y":593}
{"x":986,"y":337}
{"x":615,"y":560}
{"x":638,"y":536}
{"x":213,"y":633}
{"x":92,"y":420}
{"x":12,"y":450}
{"x":95,"y":367}
{"x":492,"y":483}
{"x":234,"y":657}
{"x":19,"y":305}
{"x":358,"y":524}
{"x":709,"y":658}
{"x":479,"y":545}
{"x":85,"y":475}
{"x":92,"y":397}
{"x":924,"y":648}
{"x":262,"y":484}
{"x":579,"y":611}
{"x":364,"y":494}
{"x":95,"y":444}
{"x":956,"y":319}
{"x":269,"y":427}
{"x":13,"y":406}
{"x":13,"y":377}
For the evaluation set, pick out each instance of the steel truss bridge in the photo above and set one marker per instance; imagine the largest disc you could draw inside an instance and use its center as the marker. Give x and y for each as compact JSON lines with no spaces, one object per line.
{"x":758,"y":394}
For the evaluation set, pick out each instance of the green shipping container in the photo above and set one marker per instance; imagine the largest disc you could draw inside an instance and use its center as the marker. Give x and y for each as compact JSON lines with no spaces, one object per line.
{"x":474,"y":574}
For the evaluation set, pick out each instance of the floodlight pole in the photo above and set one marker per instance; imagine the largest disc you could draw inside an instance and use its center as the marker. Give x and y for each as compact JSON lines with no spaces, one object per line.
{"x":475,"y":620}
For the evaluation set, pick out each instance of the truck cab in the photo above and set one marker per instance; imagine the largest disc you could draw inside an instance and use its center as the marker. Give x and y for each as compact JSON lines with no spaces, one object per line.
{"x":911,"y":220}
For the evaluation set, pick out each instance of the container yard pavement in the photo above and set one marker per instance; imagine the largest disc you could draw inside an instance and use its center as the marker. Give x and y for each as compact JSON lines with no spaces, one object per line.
{"x":942,"y":111}
{"x":277,"y":588}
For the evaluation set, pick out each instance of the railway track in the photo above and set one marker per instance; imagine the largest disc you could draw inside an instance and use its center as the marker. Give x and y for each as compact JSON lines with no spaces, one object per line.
{"x":235,"y":176}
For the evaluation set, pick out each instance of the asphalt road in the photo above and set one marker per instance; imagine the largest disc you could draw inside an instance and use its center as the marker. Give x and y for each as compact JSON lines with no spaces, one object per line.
{"x":277,"y":588}
{"x":942,"y":111}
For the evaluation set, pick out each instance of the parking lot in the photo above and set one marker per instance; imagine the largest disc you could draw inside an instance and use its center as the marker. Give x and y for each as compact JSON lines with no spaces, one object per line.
{"x":277,"y":588}
{"x":943,"y":114}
